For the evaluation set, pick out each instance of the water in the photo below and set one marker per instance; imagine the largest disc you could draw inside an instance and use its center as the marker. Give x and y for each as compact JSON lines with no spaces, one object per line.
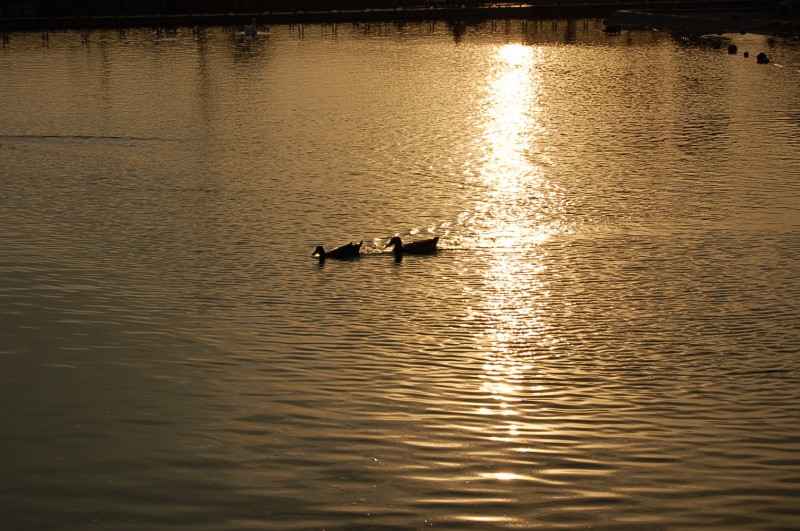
{"x":609,"y":336}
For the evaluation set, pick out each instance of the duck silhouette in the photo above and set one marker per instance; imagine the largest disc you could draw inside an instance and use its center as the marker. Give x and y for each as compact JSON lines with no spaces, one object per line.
{"x":349,"y":250}
{"x":250,"y":29}
{"x":418,"y":247}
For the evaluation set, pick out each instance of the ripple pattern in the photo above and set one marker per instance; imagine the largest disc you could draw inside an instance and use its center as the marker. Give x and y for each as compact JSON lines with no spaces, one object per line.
{"x":607,"y":338}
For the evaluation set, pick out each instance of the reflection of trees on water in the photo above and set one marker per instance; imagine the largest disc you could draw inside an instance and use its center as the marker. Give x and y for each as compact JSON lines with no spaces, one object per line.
{"x":457,"y":28}
{"x":542,"y":31}
{"x":570,"y":31}
{"x":247,"y":49}
{"x":204,"y":80}
{"x":580,"y":31}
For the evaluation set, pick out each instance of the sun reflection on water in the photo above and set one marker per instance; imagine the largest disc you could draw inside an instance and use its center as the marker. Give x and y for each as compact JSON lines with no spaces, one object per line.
{"x":510,"y":123}
{"x":516,"y":210}
{"x":512,"y":219}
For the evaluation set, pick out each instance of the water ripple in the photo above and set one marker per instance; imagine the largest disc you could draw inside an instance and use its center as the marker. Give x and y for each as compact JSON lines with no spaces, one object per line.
{"x":607,"y":337}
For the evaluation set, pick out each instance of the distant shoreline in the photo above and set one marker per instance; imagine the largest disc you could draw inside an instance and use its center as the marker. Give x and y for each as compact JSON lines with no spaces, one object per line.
{"x":435,"y":12}
{"x":628,"y":14}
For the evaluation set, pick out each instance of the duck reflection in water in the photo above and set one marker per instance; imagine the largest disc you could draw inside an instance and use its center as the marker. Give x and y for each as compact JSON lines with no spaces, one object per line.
{"x":350,"y":250}
{"x":418,"y":247}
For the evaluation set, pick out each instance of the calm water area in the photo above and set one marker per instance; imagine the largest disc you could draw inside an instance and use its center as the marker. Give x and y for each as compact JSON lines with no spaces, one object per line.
{"x":607,"y":338}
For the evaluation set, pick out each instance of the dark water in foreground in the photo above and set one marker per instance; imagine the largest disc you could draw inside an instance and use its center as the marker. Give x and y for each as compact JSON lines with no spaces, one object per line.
{"x":609,"y":336}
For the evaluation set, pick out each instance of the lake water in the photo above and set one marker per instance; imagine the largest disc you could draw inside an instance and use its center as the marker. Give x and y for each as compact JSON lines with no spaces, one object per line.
{"x":608,"y":337}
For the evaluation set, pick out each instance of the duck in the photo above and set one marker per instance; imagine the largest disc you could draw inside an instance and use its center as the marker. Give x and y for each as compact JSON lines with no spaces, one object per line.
{"x":418,"y":247}
{"x":349,"y":250}
{"x":250,"y":29}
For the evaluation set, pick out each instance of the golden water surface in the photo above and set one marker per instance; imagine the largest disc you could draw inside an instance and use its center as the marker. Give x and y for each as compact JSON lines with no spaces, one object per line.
{"x":608,"y":336}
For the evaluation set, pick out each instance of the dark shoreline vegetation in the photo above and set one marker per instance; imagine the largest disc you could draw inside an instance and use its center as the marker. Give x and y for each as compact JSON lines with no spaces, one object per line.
{"x":773,"y":17}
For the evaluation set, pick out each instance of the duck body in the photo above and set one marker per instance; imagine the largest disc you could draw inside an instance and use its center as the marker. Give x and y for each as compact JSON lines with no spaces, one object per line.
{"x":349,"y":250}
{"x":418,"y":247}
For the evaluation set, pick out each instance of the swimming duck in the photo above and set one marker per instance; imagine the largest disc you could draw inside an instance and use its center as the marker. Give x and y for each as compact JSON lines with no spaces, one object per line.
{"x":417,"y":247}
{"x":250,"y":29}
{"x":350,"y":250}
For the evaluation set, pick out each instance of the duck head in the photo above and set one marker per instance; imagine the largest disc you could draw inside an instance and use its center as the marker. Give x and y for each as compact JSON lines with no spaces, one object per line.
{"x":319,"y":251}
{"x":396,"y":241}
{"x":398,"y":248}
